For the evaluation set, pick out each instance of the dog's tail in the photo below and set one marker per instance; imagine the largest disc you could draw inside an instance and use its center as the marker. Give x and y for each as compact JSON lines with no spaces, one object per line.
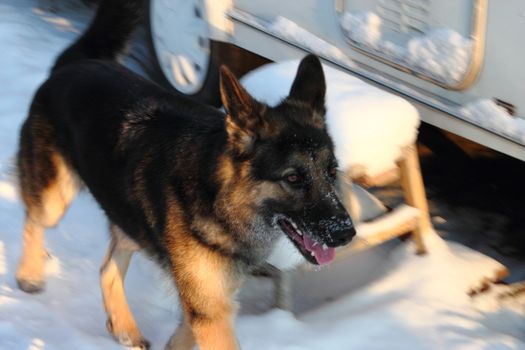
{"x":108,"y":33}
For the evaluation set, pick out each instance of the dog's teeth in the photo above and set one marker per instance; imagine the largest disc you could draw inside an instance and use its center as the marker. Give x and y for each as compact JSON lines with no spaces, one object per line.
{"x":294,"y":225}
{"x":325,"y":247}
{"x":299,"y":232}
{"x":312,"y":253}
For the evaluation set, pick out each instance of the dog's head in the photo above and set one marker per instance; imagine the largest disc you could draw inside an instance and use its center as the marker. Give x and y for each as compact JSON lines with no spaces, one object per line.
{"x":284,"y":162}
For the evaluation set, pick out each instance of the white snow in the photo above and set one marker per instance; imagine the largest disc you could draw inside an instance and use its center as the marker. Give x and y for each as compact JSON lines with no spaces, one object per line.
{"x":440,"y":53}
{"x":290,"y":30}
{"x":362,"y":27}
{"x":419,"y":304}
{"x":8,"y":191}
{"x":285,"y":256}
{"x":285,"y":28}
{"x":369,"y":126}
{"x":488,"y":114}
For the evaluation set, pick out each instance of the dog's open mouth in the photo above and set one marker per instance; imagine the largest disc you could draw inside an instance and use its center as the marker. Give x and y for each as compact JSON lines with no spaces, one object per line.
{"x":314,"y":251}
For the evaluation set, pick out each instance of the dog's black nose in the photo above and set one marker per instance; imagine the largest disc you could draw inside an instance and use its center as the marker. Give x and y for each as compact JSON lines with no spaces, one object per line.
{"x":343,"y":237}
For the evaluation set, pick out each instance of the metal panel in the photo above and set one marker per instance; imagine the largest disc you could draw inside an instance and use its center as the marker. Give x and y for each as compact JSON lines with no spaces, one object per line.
{"x":403,"y":20}
{"x":406,"y":16}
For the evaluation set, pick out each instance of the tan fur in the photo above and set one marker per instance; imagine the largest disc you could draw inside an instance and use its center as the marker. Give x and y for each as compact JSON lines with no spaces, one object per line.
{"x":244,"y":119}
{"x":266,"y":189}
{"x":214,"y":232}
{"x":226,"y":170}
{"x":121,"y":323}
{"x":30,"y":271}
{"x":55,"y":199}
{"x":217,"y":334}
{"x":206,"y":290}
{"x":207,"y":283}
{"x":247,"y":193}
{"x":238,"y":136}
{"x":238,"y":189}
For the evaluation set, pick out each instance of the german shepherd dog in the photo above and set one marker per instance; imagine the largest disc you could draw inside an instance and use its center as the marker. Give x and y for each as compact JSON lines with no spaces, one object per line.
{"x":205,"y":193}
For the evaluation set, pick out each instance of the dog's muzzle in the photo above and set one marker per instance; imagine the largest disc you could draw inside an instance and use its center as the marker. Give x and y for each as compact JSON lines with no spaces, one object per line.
{"x":341,"y":237}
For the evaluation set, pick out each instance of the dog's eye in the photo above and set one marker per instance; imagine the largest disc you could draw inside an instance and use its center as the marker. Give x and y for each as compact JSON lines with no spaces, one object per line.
{"x":293,"y":178}
{"x":332,"y":171}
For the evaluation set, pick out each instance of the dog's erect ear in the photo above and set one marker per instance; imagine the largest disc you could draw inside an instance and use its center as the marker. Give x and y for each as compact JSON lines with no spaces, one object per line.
{"x":244,"y":120}
{"x":309,"y":85}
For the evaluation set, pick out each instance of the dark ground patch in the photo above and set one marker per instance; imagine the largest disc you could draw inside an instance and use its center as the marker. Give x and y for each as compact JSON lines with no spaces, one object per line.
{"x":475,"y":194}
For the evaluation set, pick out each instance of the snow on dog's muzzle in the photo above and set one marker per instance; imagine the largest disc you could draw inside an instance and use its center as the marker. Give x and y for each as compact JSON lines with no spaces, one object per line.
{"x":318,"y":248}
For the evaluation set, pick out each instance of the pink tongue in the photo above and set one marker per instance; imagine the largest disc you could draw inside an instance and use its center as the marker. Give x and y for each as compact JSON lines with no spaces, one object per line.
{"x":322,"y":256}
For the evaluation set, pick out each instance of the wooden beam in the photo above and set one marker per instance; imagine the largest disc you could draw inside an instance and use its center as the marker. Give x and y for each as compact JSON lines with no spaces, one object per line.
{"x":414,"y":192}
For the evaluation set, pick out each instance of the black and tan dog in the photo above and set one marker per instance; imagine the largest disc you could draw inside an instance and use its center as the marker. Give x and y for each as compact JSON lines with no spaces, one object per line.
{"x":206,"y":194}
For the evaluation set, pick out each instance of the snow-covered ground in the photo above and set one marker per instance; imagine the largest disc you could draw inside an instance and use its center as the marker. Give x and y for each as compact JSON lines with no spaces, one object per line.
{"x":420,"y":303}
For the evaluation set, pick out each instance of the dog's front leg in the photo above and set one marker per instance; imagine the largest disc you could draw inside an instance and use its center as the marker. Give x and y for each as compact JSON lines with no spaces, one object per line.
{"x":215,"y":332}
{"x":206,"y":283}
{"x":211,"y":334}
{"x":120,"y":323}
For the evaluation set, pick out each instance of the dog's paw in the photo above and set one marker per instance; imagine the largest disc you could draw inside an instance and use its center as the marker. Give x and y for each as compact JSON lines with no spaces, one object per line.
{"x":30,"y":286}
{"x":143,"y":344}
{"x":132,"y":339}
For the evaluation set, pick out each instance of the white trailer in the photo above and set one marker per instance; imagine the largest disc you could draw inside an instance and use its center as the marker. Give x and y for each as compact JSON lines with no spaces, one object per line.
{"x":459,"y":62}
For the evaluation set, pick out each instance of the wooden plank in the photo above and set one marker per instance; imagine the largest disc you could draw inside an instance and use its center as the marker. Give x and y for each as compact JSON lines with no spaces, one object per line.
{"x":401,"y":220}
{"x":386,"y":178}
{"x":414,"y":191}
